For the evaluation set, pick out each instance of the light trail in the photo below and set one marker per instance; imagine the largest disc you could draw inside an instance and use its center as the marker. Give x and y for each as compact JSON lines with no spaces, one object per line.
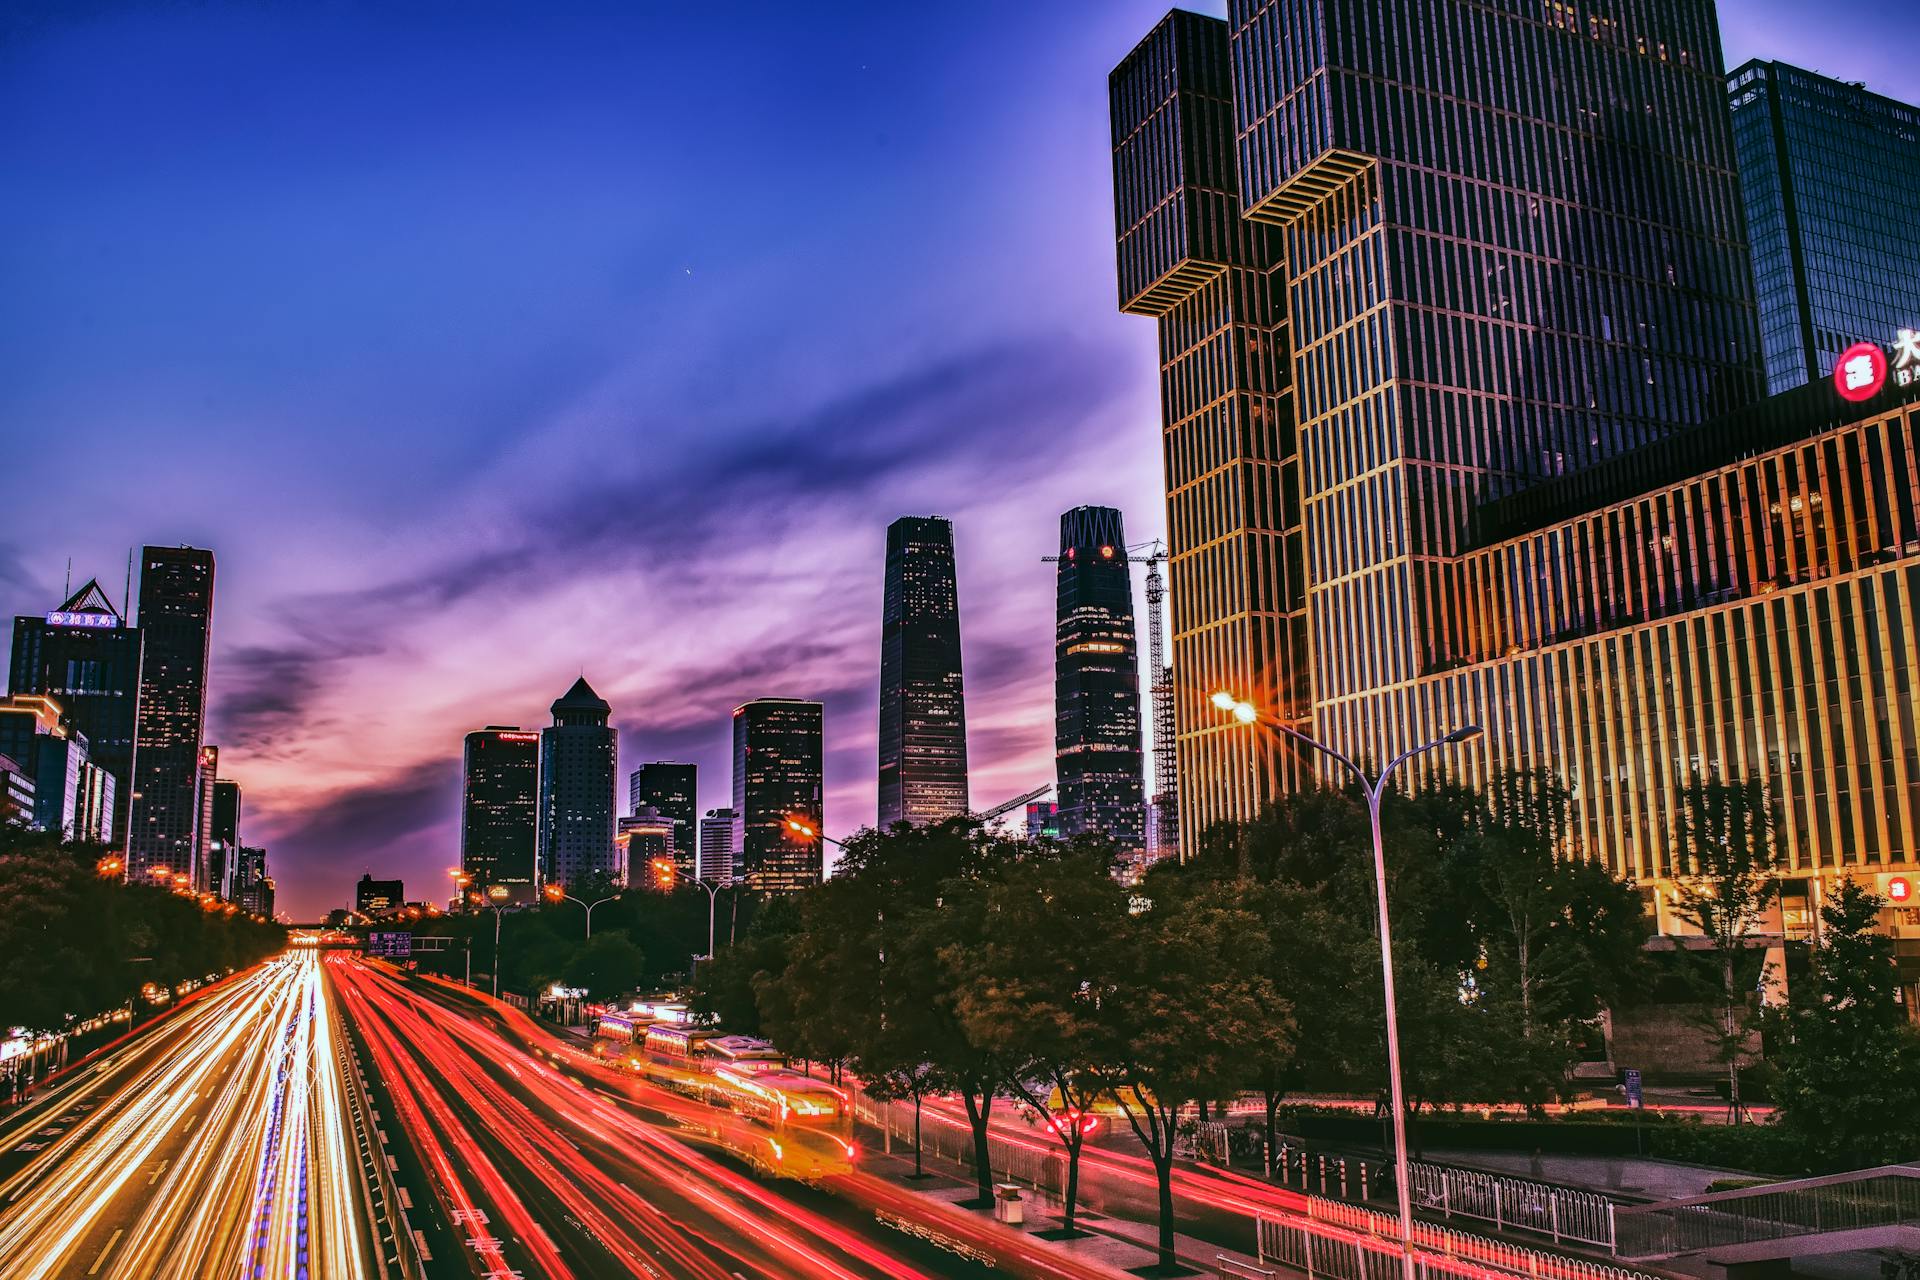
{"x":217,"y":1145}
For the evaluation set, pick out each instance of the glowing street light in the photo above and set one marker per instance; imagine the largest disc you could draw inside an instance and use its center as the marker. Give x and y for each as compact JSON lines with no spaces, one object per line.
{"x":557,"y":893}
{"x":812,"y":832}
{"x":1375,"y":787}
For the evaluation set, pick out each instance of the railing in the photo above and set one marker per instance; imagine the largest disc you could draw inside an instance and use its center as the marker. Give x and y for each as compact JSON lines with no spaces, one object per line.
{"x":1233,"y":1269}
{"x":1561,"y":1213}
{"x":1348,"y":1242}
{"x":1884,"y":1197}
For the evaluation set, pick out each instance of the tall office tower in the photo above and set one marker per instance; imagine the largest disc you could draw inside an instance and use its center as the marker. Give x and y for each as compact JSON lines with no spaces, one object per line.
{"x":176,"y":616}
{"x":577,"y":787}
{"x":923,"y":706}
{"x":777,"y":767}
{"x":500,"y":808}
{"x":225,"y":844}
{"x":1096,"y":670}
{"x":643,"y":837}
{"x":86,"y":656}
{"x":371,"y":897}
{"x":207,"y":874}
{"x":1828,"y":172}
{"x":671,"y":789}
{"x":716,"y":861}
{"x":1514,"y":256}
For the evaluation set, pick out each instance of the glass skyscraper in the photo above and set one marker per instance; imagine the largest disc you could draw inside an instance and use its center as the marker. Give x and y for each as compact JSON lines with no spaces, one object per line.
{"x":1829,"y":173}
{"x":577,"y":764}
{"x":500,"y":808}
{"x":176,"y":618}
{"x":777,"y":761}
{"x":923,"y":708}
{"x":671,"y":787}
{"x":1096,"y":682}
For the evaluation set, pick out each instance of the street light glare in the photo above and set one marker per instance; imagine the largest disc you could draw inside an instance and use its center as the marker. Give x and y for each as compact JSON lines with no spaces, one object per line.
{"x":1224,"y":700}
{"x":1244,"y":712}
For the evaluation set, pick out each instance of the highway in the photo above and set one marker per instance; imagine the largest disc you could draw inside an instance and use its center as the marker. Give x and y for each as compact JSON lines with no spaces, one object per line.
{"x":553,"y":1164}
{"x":215,"y":1144}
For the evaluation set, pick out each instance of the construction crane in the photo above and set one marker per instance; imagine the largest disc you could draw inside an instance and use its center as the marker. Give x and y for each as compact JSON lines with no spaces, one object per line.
{"x":1009,"y":806}
{"x":1166,"y":799}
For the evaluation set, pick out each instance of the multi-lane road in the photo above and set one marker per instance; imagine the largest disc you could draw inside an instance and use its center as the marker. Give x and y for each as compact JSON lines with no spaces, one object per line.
{"x":218,"y":1144}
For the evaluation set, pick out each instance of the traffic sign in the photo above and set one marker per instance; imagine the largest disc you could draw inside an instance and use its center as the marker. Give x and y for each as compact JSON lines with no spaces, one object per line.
{"x":391,"y":946}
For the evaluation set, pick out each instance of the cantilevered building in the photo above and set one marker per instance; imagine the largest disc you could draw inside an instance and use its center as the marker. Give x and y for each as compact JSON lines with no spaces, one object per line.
{"x":923,"y":709}
{"x":1513,"y":335}
{"x":1096,"y":667}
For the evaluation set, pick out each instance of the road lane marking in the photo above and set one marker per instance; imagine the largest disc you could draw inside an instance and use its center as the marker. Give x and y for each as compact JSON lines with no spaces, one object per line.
{"x":113,"y":1240}
{"x":188,"y":1126}
{"x":158,"y":1170}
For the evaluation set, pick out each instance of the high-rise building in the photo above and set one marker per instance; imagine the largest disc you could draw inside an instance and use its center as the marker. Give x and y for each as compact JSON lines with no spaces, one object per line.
{"x":372,"y":897}
{"x":252,"y":886}
{"x":16,"y":793}
{"x":1389,"y":289}
{"x":36,"y":732}
{"x":500,"y":808}
{"x":1828,"y":173}
{"x":671,"y":789}
{"x":86,"y":656}
{"x":777,"y":767}
{"x":716,"y":860}
{"x":1043,"y":820}
{"x":207,"y":876}
{"x":1096,"y":669}
{"x":176,"y":616}
{"x":643,"y":837}
{"x":923,"y":708}
{"x":577,"y":787}
{"x":224,"y":847}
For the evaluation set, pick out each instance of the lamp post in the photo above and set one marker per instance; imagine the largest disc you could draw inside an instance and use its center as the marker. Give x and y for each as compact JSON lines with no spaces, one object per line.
{"x":1375,"y":788}
{"x":812,"y":832}
{"x":557,"y":894}
{"x":498,"y":893}
{"x":668,"y":871}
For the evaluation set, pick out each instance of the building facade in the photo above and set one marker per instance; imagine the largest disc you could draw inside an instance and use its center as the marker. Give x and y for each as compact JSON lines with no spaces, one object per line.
{"x":643,"y":838}
{"x":225,"y":844}
{"x":577,"y":787}
{"x":923,"y":708}
{"x":1392,"y":287}
{"x":252,"y":886}
{"x":1096,"y":668}
{"x":778,"y":761}
{"x":375,"y":897}
{"x":176,"y":618}
{"x":207,"y":870}
{"x":500,"y":809}
{"x":671,"y":789}
{"x":1043,"y":820}
{"x":1827,"y":172}
{"x":716,"y":863}
{"x":36,"y":732}
{"x":85,"y":656}
{"x":16,"y":793}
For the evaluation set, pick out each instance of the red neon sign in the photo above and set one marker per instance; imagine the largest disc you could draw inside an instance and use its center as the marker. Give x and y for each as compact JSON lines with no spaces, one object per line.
{"x":1860,"y":372}
{"x":1899,"y":889}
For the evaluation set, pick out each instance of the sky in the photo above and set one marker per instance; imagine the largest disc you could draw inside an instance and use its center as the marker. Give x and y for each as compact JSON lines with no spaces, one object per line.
{"x":490,"y":345}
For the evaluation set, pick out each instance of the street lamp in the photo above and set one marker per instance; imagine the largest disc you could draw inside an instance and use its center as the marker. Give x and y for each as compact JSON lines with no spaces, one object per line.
{"x":668,"y":871}
{"x":812,"y":832}
{"x":1375,"y":787}
{"x":555,"y":894}
{"x":499,"y":895}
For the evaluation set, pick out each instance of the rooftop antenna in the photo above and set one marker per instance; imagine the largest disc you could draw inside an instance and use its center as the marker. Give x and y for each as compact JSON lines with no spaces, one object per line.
{"x":126,"y":600}
{"x":66,"y":593}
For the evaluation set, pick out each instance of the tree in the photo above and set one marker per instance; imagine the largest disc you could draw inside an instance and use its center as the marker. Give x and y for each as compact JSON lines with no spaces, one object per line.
{"x":606,"y":965}
{"x":1029,"y":986}
{"x":1726,"y":857}
{"x":1190,"y":1007}
{"x":1849,"y":1062}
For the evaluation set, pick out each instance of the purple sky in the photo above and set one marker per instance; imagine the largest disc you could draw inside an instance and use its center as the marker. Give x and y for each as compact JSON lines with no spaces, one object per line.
{"x":559,"y":338}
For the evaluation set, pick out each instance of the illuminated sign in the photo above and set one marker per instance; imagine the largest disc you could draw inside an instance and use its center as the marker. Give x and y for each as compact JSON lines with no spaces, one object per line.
{"x":60,"y":618}
{"x":1899,"y":889}
{"x":1906,"y":358}
{"x":394,"y":946}
{"x":1860,"y":372}
{"x":518,"y":737}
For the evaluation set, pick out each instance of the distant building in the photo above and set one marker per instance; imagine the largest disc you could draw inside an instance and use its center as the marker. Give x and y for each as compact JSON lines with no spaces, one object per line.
{"x":1101,"y":782}
{"x":1043,"y":820}
{"x":716,"y":860}
{"x":923,"y":710}
{"x":577,"y":763}
{"x":16,"y":793}
{"x":252,"y":887}
{"x":69,"y":789}
{"x":84,"y":655}
{"x":225,"y":845}
{"x":777,"y":765}
{"x":373,"y":897}
{"x":1828,"y":174}
{"x":671,"y":789}
{"x":500,"y":808}
{"x":176,"y":616}
{"x":643,"y":837}
{"x":207,"y":877}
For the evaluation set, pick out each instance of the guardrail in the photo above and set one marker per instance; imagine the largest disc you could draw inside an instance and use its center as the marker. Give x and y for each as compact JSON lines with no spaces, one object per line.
{"x":1348,"y":1242}
{"x":1887,"y":1196}
{"x":1521,"y":1204}
{"x":1233,"y":1269}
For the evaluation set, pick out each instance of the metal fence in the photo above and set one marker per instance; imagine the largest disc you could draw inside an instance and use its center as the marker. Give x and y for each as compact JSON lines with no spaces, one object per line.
{"x":1348,"y":1242}
{"x":1887,"y":1196}
{"x":1514,"y":1204}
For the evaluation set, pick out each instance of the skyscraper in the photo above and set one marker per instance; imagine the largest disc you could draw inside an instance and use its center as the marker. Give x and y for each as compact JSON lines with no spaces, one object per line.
{"x":577,"y":787}
{"x":671,"y":789}
{"x":1391,"y":288}
{"x":644,"y":836}
{"x":207,"y":873}
{"x":86,"y":656}
{"x":225,"y":843}
{"x":923,"y":710}
{"x":1828,"y":173}
{"x":1096,"y":667}
{"x":176,"y":616}
{"x":252,"y":886}
{"x":777,"y":759}
{"x":716,"y":860}
{"x":500,"y":808}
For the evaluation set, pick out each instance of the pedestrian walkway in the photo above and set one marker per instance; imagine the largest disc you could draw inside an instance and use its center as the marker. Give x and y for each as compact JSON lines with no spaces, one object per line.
{"x":1620,"y":1177}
